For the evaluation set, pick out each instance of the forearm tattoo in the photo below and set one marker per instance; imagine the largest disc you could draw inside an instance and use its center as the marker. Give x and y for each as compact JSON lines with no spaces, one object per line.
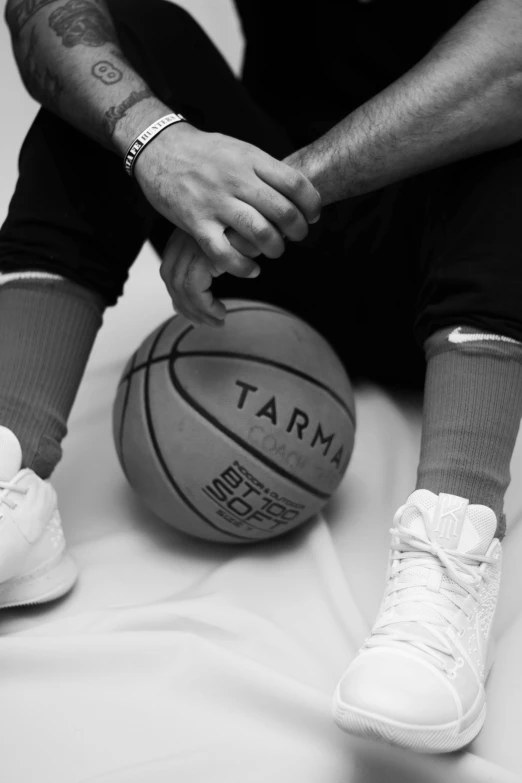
{"x":18,"y":16}
{"x":44,"y":85}
{"x":106,"y":72}
{"x":82,"y":22}
{"x":115,"y":113}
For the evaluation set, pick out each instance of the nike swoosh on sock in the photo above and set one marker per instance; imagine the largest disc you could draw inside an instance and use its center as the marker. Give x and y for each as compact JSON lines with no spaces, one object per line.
{"x":456,"y":336}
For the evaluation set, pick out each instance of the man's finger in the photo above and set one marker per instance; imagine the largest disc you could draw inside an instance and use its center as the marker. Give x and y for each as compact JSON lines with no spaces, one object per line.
{"x":225,"y":258}
{"x":254,"y":227}
{"x":198,"y":281}
{"x":176,"y":258}
{"x":292,"y":184}
{"x":278,"y":210}
{"x":240,"y":244}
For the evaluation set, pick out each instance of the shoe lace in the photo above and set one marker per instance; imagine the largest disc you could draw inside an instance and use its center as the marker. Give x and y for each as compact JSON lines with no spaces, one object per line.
{"x":410,"y":550}
{"x":5,"y":488}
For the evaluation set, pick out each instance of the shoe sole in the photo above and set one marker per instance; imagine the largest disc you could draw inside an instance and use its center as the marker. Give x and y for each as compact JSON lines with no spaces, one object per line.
{"x":423,"y":739}
{"x":49,"y":581}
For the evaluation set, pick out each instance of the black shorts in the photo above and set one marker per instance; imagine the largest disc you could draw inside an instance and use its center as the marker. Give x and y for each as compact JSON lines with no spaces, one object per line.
{"x":376,"y":276}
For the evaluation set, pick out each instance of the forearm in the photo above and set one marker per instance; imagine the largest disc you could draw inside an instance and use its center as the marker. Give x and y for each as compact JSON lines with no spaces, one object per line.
{"x":462,"y":99}
{"x":71,"y":62}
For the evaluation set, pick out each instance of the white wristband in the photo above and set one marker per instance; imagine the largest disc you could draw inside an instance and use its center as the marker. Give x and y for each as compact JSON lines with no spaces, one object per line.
{"x":148,"y":134}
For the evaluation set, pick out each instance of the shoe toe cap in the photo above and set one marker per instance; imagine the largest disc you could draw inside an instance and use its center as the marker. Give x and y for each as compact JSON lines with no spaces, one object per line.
{"x":398,"y":687}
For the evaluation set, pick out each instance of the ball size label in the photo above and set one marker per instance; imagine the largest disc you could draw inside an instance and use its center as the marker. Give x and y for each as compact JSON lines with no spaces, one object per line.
{"x":247,"y":503}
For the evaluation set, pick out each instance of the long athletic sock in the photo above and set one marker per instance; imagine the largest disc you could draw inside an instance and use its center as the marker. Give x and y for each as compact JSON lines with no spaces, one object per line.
{"x":471,"y":416}
{"x":47,"y":329}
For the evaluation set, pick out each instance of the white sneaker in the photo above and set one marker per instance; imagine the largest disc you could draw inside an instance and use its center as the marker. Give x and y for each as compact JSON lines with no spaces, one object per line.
{"x":418,"y":679}
{"x":34,"y":564}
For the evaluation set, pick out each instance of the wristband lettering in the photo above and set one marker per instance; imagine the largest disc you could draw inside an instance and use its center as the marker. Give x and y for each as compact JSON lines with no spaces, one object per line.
{"x":143,"y":139}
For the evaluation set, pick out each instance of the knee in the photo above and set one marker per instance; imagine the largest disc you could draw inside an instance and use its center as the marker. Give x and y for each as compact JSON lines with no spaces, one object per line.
{"x":158,"y":38}
{"x":156,"y":12}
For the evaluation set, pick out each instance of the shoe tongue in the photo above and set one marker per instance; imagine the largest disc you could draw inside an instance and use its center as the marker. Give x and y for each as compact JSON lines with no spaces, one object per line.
{"x":451,"y":522}
{"x":10,"y":454}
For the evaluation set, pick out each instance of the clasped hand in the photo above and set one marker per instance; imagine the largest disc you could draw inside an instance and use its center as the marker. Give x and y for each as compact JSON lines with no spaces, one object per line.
{"x":230,"y":201}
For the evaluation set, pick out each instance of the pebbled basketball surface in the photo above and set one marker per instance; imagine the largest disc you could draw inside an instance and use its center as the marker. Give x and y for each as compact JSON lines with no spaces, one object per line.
{"x":237,"y":434}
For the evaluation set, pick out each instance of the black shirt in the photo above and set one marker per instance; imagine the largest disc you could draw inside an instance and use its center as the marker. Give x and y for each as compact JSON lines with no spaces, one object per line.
{"x":310,"y":63}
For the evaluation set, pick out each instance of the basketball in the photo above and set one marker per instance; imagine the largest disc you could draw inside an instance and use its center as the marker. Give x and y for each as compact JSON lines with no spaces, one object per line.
{"x":238,"y":434}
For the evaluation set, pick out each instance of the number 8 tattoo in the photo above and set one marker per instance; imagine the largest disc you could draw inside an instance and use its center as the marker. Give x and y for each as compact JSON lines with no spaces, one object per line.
{"x":106,"y":72}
